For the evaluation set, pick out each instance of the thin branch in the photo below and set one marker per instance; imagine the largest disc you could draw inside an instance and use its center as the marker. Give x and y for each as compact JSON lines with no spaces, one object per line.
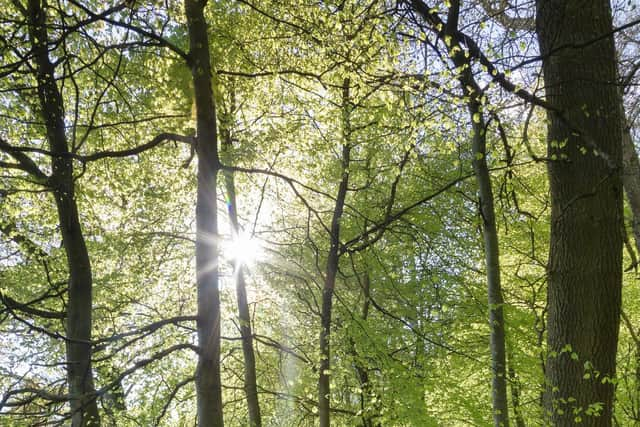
{"x":377,"y":227}
{"x":171,"y":396}
{"x":152,"y":327}
{"x":460,"y":40}
{"x":161,"y":40}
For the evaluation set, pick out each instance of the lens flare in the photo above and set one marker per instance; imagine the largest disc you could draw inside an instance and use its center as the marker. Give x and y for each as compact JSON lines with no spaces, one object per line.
{"x":243,"y":249}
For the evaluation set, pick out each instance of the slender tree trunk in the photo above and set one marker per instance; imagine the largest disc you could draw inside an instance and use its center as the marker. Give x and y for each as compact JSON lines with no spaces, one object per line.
{"x":515,"y":394}
{"x":208,"y":381}
{"x":494,"y":287}
{"x":634,"y":412}
{"x":492,"y":262}
{"x":631,"y":180}
{"x":366,"y":390}
{"x":585,"y":259}
{"x":84,"y":409}
{"x":472,"y":92}
{"x":635,"y":405}
{"x":631,"y":183}
{"x":324,"y":390}
{"x":244,"y":316}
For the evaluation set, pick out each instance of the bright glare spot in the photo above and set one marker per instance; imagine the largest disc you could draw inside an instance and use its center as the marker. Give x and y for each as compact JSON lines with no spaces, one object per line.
{"x":244,"y":249}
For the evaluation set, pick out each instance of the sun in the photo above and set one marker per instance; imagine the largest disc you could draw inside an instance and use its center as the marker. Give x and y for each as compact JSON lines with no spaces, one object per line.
{"x":244,"y":249}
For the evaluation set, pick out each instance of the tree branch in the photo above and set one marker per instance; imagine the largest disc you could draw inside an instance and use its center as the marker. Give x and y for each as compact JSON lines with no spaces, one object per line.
{"x":25,"y":163}
{"x":163,"y":137}
{"x":26,"y":308}
{"x":161,"y":40}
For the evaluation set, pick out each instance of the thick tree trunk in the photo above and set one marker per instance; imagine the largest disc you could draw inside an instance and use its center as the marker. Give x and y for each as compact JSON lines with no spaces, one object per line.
{"x":244,"y":316}
{"x":585,"y":259}
{"x":208,"y":381}
{"x":84,"y":409}
{"x":324,"y":389}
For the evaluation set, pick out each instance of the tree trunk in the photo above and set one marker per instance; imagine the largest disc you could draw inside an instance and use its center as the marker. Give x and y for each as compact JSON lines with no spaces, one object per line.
{"x":635,"y":403}
{"x":631,"y":183}
{"x":84,"y":409}
{"x":369,"y":415}
{"x":631,"y":180}
{"x":208,"y":381}
{"x":324,"y":389}
{"x":250,"y":382}
{"x":585,"y":259}
{"x":492,"y":262}
{"x":472,"y":92}
{"x":634,"y":392}
{"x":515,"y":394}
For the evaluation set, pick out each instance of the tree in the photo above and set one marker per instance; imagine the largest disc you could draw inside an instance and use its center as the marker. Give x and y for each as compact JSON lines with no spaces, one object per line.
{"x":244,"y":315}
{"x":208,"y":382}
{"x":83,"y":405}
{"x":350,"y":134}
{"x":473,"y":94}
{"x":585,"y":270}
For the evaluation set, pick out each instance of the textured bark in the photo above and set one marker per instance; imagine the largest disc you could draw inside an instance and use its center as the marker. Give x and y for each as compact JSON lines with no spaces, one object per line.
{"x":585,"y":259}
{"x":84,"y":409}
{"x":324,"y":390}
{"x":208,"y":381}
{"x":472,"y":92}
{"x":244,"y":316}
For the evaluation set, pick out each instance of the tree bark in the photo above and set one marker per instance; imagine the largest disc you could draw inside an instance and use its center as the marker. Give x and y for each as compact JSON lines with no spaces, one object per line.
{"x":472,"y":92}
{"x":333,"y":256}
{"x":244,"y":316}
{"x":208,"y":381}
{"x":84,"y":409}
{"x":585,"y":259}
